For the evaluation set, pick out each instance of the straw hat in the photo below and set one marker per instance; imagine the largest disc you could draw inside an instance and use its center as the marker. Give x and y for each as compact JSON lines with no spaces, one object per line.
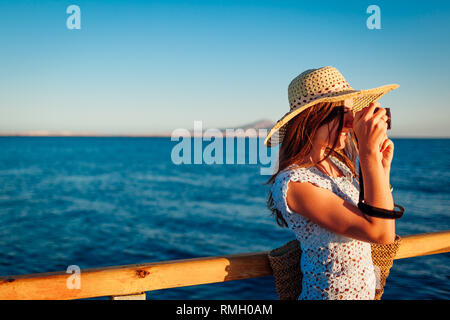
{"x":321,"y":85}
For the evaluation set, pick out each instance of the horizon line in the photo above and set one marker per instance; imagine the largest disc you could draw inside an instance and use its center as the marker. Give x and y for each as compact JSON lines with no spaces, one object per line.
{"x":7,"y":135}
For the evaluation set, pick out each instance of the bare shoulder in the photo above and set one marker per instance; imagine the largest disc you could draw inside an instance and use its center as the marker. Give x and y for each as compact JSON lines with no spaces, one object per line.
{"x":306,"y":197}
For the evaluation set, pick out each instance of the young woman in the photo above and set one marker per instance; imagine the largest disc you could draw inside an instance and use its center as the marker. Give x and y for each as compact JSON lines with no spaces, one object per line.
{"x":315,"y":191}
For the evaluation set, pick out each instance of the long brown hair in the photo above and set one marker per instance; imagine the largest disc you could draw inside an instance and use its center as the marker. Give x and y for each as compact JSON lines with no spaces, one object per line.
{"x":297,"y":143}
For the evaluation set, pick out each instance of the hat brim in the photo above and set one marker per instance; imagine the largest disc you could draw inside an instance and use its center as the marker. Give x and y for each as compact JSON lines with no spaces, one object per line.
{"x":361,"y":99}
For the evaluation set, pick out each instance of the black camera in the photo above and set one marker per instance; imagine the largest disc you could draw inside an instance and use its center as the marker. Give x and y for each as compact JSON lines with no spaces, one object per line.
{"x":388,"y":113}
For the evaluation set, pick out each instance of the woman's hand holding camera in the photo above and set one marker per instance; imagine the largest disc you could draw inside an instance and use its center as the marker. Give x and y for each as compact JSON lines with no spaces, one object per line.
{"x":370,"y":126}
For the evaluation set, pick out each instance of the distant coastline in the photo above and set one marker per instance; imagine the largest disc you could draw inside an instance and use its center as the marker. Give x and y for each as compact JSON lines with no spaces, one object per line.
{"x":2,"y":135}
{"x":250,"y":129}
{"x":247,"y":130}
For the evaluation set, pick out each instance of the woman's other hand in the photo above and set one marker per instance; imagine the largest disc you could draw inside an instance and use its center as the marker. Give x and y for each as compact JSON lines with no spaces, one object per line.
{"x":387,"y":151}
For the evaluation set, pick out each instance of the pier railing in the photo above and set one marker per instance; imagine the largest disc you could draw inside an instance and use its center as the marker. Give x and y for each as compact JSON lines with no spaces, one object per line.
{"x":133,"y":281}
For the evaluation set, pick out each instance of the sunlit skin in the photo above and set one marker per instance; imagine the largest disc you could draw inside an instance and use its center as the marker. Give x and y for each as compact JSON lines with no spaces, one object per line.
{"x":375,"y":152}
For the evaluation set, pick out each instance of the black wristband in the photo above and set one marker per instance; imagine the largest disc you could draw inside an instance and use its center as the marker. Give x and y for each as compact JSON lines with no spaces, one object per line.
{"x":381,"y":213}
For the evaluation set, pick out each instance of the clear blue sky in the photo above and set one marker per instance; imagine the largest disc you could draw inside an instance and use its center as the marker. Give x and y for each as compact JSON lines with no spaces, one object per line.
{"x":153,"y":66}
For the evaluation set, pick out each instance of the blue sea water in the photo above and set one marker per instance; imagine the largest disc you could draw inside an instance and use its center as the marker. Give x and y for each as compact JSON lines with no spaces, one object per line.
{"x":96,"y":202}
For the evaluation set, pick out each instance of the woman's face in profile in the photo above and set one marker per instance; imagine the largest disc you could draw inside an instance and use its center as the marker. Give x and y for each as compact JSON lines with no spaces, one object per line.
{"x":326,"y":134}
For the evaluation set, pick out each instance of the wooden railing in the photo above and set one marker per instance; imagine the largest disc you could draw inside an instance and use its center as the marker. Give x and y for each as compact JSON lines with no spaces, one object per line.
{"x":132,"y":281}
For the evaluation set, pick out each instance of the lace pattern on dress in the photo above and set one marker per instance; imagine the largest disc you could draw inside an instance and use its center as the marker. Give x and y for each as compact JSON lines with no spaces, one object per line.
{"x":333,"y":266}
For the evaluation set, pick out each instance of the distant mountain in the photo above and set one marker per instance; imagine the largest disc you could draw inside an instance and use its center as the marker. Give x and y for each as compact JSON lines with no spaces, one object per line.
{"x":258,"y":128}
{"x":260,"y":124}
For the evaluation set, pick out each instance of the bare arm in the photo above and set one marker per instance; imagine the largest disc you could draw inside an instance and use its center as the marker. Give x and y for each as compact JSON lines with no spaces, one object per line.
{"x":331,"y":212}
{"x":375,"y":170}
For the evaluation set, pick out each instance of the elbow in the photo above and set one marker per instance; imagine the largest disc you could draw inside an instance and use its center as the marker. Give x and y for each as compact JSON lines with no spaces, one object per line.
{"x":384,"y":238}
{"x":381,"y":233}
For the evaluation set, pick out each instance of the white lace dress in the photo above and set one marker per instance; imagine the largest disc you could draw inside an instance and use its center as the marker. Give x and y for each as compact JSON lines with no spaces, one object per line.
{"x":333,"y":266}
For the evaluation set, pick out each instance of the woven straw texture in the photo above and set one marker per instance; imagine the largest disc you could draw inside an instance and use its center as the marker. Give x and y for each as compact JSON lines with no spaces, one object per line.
{"x":321,"y":85}
{"x":285,"y":264}
{"x":383,"y":257}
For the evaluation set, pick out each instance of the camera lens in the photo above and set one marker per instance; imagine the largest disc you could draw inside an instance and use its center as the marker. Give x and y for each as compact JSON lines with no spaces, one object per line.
{"x":388,"y":113}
